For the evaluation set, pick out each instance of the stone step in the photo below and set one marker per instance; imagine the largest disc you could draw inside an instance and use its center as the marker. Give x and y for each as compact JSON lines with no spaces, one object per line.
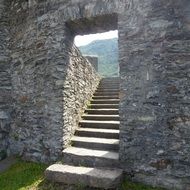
{"x":102,"y":111}
{"x":96,"y":132}
{"x":104,"y":106}
{"x":105,"y":101}
{"x":101,"y":117}
{"x":90,"y":158}
{"x":100,"y":124}
{"x":105,"y":97}
{"x":106,"y":94}
{"x":116,"y":86}
{"x":107,"y":90}
{"x":103,"y":87}
{"x":96,"y":143}
{"x":108,"y":85}
{"x":111,"y":79}
{"x":86,"y":176}
{"x":109,"y":82}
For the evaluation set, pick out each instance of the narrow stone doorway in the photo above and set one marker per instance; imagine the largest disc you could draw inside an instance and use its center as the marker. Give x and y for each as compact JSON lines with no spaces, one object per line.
{"x":93,"y":155}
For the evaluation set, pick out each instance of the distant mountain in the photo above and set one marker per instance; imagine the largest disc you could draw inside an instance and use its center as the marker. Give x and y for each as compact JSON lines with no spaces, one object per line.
{"x":107,"y":52}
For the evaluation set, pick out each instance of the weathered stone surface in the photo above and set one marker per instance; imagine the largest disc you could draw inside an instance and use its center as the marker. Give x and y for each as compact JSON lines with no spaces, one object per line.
{"x":154,"y":41}
{"x":79,"y":86}
{"x":92,"y":177}
{"x":51,"y":83}
{"x":93,"y":60}
{"x":154,"y":66}
{"x":5,"y":79}
{"x":90,"y":158}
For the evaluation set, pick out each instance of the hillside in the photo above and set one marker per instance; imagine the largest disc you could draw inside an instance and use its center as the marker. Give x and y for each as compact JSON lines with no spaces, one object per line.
{"x":107,"y":51}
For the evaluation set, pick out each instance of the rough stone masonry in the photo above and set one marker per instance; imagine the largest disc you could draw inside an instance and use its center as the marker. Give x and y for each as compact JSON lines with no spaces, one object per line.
{"x":40,"y":80}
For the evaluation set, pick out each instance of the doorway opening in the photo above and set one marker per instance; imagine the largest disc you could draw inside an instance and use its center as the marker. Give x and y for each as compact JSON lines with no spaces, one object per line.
{"x":102,"y":51}
{"x":98,"y":37}
{"x":94,"y":131}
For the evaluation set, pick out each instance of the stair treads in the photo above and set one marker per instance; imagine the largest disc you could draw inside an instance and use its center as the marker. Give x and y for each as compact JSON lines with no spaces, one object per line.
{"x":96,"y":140}
{"x":92,"y":153}
{"x":93,"y":177}
{"x":95,"y":106}
{"x":100,"y":124}
{"x":105,"y":97}
{"x":108,"y":89}
{"x":95,"y":143}
{"x":98,"y":132}
{"x":105,"y":101}
{"x":106,"y":93}
{"x":102,"y":111}
{"x":101,"y":117}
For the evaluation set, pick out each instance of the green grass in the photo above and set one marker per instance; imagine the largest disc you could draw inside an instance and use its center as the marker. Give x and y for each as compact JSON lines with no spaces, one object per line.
{"x":22,"y":176}
{"x":29,"y":176}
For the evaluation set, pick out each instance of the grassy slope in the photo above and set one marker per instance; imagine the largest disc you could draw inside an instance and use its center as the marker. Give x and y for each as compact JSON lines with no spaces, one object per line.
{"x":29,"y":176}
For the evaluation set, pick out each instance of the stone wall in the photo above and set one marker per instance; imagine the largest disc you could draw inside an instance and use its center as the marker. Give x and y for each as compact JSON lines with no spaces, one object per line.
{"x":154,"y":48}
{"x":5,"y":82}
{"x":40,"y":61}
{"x":37,"y":67}
{"x":154,"y":68}
{"x":93,"y":60}
{"x":80,"y":84}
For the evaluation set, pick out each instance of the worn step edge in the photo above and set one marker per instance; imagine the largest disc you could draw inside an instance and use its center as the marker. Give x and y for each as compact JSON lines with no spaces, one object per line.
{"x":98,"y":132}
{"x":109,"y":88}
{"x":102,"y":100}
{"x":101,"y":117}
{"x":107,"y":91}
{"x":94,"y":106}
{"x":95,"y":143}
{"x":102,"y":111}
{"x":109,"y":84}
{"x":105,"y":97}
{"x":106,"y":94}
{"x":93,"y":177}
{"x":92,"y":153}
{"x":90,"y":158}
{"x":105,"y":101}
{"x":100,"y":124}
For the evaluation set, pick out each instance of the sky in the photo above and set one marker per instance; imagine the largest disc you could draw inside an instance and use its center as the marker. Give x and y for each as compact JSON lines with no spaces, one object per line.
{"x":86,"y":39}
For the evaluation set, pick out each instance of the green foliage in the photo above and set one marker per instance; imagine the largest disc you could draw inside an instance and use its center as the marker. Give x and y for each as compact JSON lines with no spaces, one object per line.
{"x":107,"y":52}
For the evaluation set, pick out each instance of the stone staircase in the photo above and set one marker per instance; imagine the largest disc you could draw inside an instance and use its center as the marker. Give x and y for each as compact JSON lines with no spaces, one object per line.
{"x":93,"y":158}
